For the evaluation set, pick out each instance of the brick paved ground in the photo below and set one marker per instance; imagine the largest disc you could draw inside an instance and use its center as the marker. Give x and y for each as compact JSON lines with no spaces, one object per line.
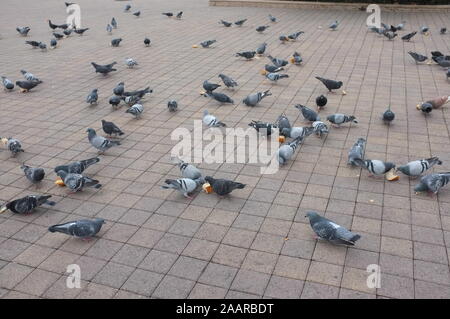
{"x":158,"y":244}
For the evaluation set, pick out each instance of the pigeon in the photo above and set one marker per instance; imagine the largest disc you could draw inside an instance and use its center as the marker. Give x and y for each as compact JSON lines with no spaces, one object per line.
{"x":295,"y":132}
{"x":183,"y":185}
{"x":80,"y":31}
{"x":207,"y":43}
{"x":443,"y":62}
{"x":277,"y":62}
{"x":357,"y":151}
{"x":220,"y":97}
{"x":401,"y":26}
{"x":130,"y":62}
{"x":26,"y":86}
{"x":261,"y":49}
{"x":272,"y":18}
{"x":443,"y":30}
{"x":34,"y":44}
{"x":172,"y":105}
{"x":53,"y":43}
{"x":147,"y":42}
{"x":114,"y":23}
{"x":116,"y":42}
{"x":76,"y":182}
{"x":439,"y":101}
{"x":390,"y":35}
{"x":418,"y":57}
{"x":30,"y":76}
{"x":424,"y":30}
{"x":239,"y":23}
{"x":136,"y":110}
{"x":229,"y":82}
{"x":119,"y":89}
{"x":432,"y":182}
{"x":99,"y":142}
{"x":223,"y":186}
{"x":330,"y":84}
{"x":296,"y":58}
{"x":330,"y":231}
{"x":179,"y":14}
{"x":255,"y":98}
{"x":321,"y":101}
{"x":263,"y":126}
{"x":127,"y":8}
{"x":225,"y":23}
{"x":110,"y":128}
{"x":209,"y":87}
{"x":436,"y":56}
{"x":104,"y":69}
{"x":168,"y":14}
{"x":286,"y":151}
{"x":83,"y":229}
{"x":334,"y":25}
{"x":268,"y":68}
{"x":417,"y":168}
{"x":92,"y":97}
{"x":409,"y":36}
{"x":274,"y":77}
{"x":375,"y":167}
{"x":43,"y":46}
{"x":132,"y":100}
{"x":320,"y":128}
{"x":307,"y":113}
{"x":77,"y":167}
{"x":67,"y":32}
{"x":109,"y":28}
{"x":58,"y":36}
{"x":339,"y":119}
{"x":388,"y":115}
{"x":115,"y":100}
{"x":447,"y":74}
{"x":425,"y":107}
{"x":283,"y":39}
{"x":23,"y":30}
{"x":7,"y":84}
{"x":27,"y":204}
{"x":34,"y":175}
{"x":51,"y":25}
{"x":295,"y":35}
{"x":137,"y":14}
{"x":139,"y":93}
{"x":282,"y":122}
{"x":247,"y":54}
{"x":188,"y":170}
{"x":211,"y":121}
{"x":262,"y":28}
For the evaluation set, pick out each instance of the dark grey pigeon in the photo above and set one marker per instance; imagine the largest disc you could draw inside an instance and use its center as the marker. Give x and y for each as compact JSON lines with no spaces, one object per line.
{"x":92,"y":98}
{"x":209,"y":87}
{"x":104,"y":69}
{"x":84,"y":228}
{"x":220,"y":97}
{"x":225,"y":23}
{"x":147,"y":42}
{"x":240,"y":22}
{"x":443,"y":30}
{"x":409,"y":36}
{"x":114,"y":23}
{"x":223,"y":186}
{"x":388,"y":115}
{"x":262,"y":28}
{"x":77,"y":167}
{"x":53,"y":43}
{"x":23,"y":30}
{"x":119,"y":89}
{"x":272,"y":68}
{"x":115,"y":100}
{"x":27,"y":204}
{"x":432,"y":182}
{"x":330,"y":231}
{"x":417,"y":168}
{"x":34,"y":175}
{"x":229,"y":82}
{"x":12,"y":145}
{"x":357,"y":151}
{"x":207,"y":43}
{"x":76,"y":182}
{"x":277,"y":62}
{"x":330,"y":84}
{"x":247,"y":54}
{"x":43,"y":46}
{"x":172,"y":105}
{"x":418,"y":57}
{"x":263,"y":126}
{"x":261,"y":49}
{"x":116,"y":42}
{"x":26,"y":86}
{"x":426,"y":107}
{"x":137,"y":14}
{"x":111,"y":128}
{"x":307,"y":113}
{"x":282,"y":122}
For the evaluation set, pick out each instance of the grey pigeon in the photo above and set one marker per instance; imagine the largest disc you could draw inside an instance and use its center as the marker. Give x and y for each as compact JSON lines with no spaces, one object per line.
{"x":417,"y":168}
{"x":115,"y":100}
{"x":272,"y":18}
{"x":401,"y":25}
{"x":277,"y":62}
{"x":172,"y":105}
{"x":132,"y":100}
{"x":339,"y":119}
{"x":211,"y":121}
{"x":334,"y":25}
{"x":209,"y":87}
{"x":53,"y":43}
{"x":99,"y":142}
{"x":130,"y":62}
{"x":67,"y":32}
{"x":357,"y":151}
{"x":418,"y":57}
{"x":254,"y":98}
{"x":443,"y":30}
{"x":223,"y":186}
{"x":139,"y":93}
{"x":80,"y":31}
{"x":388,"y":115}
{"x":307,"y":113}
{"x":330,"y":231}
{"x":274,"y":77}
{"x":109,"y":28}
{"x":297,"y":58}
{"x":7,"y":84}
{"x":188,"y":170}
{"x":168,"y":14}
{"x":136,"y":110}
{"x":443,"y":62}
{"x":104,"y":69}
{"x":282,"y":122}
{"x":426,"y":107}
{"x":27,"y":204}
{"x":295,"y":132}
{"x":320,"y":128}
{"x":34,"y":175}
{"x":330,"y":84}
{"x":295,"y":35}
{"x":207,"y":43}
{"x":43,"y":46}
{"x":220,"y":97}
{"x":58,"y":36}
{"x":119,"y":89}
{"x":286,"y":151}
{"x":183,"y":185}
{"x":13,"y":145}
{"x":259,"y":126}
{"x":432,"y":182}
{"x":409,"y":36}
{"x":116,"y":42}
{"x":114,"y":23}
{"x":127,"y":8}
{"x":272,"y":68}
{"x":248,"y":55}
{"x":76,"y":182}
{"x":30,"y":76}
{"x":77,"y":167}
{"x":261,"y":49}
{"x":424,"y":30}
{"x":26,"y":86}
{"x":375,"y":167}
{"x":23,"y":30}
{"x":240,"y":22}
{"x":179,"y":15}
{"x":262,"y":28}
{"x":390,"y":35}
{"x":34,"y":44}
{"x":85,"y":228}
{"x":225,"y":23}
{"x":92,"y":98}
{"x":111,"y":128}
{"x":229,"y":82}
{"x":137,"y":14}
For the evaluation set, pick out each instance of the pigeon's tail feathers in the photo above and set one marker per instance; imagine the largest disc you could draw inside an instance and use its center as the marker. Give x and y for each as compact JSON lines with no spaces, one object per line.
{"x":434,"y":160}
{"x":98,"y":186}
{"x":359,"y":162}
{"x":90,"y":161}
{"x":50,"y":203}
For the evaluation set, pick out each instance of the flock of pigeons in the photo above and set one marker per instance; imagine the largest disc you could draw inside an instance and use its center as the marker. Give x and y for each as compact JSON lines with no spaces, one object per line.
{"x":71,"y":175}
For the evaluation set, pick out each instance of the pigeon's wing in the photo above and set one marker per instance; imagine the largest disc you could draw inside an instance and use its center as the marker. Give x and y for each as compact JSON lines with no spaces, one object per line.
{"x":84,"y":228}
{"x":345,"y":235}
{"x":325,"y":229}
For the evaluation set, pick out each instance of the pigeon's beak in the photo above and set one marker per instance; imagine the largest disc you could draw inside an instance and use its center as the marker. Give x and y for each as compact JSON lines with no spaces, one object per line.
{"x":3,"y":209}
